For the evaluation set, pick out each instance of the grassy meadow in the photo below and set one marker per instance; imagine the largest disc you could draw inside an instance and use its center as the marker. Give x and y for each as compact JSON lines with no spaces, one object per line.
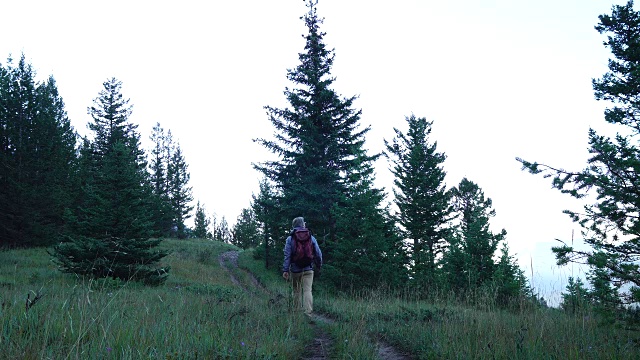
{"x":204,"y":311}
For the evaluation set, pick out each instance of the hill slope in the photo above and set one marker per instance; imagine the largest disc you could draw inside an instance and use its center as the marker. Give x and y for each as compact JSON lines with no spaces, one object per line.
{"x":220,"y":303}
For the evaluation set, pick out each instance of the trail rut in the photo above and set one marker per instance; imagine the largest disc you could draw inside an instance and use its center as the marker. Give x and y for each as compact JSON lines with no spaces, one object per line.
{"x":322,"y":343}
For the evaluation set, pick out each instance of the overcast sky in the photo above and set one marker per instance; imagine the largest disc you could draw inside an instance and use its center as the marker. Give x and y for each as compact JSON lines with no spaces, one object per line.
{"x":500,"y":79}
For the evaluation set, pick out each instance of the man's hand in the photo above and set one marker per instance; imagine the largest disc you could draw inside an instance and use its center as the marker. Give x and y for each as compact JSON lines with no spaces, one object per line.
{"x":285,"y":275}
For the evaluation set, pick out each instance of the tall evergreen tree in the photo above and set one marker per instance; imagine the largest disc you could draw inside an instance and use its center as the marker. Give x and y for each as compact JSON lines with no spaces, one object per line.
{"x":158,"y":166}
{"x":169,"y":148}
{"x":576,"y":298}
{"x":222,"y":232}
{"x":321,"y":149}
{"x":611,"y":225}
{"x":317,"y":140}
{"x":604,"y":294}
{"x":455,"y":269}
{"x":111,"y":233}
{"x":37,"y":155}
{"x":371,"y":251}
{"x":201,"y":223}
{"x":246,"y":231}
{"x":476,"y":244}
{"x":179,"y":190}
{"x":421,"y":196}
{"x":268,"y":214}
{"x":509,"y":281}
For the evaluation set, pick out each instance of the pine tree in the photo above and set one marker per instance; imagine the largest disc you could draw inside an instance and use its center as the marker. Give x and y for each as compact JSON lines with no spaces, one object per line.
{"x":201,"y":223}
{"x":576,"y":298}
{"x":221,"y":232}
{"x":421,"y":196}
{"x":604,"y":295}
{"x":179,"y":190}
{"x":246,"y":231}
{"x":158,"y":166}
{"x":321,"y":153}
{"x":509,"y":282}
{"x":455,"y":270}
{"x":110,"y":234}
{"x":267,"y":209}
{"x":371,"y":253}
{"x":169,"y":148}
{"x":37,"y":157}
{"x":315,"y":139}
{"x":611,"y":225}
{"x":56,"y":162}
{"x":475,"y":244}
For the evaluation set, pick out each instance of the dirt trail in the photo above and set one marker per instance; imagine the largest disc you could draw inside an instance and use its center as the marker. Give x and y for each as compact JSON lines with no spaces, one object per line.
{"x":320,"y":347}
{"x":388,"y":352}
{"x":322,"y":342}
{"x":385,"y":351}
{"x":232,"y":258}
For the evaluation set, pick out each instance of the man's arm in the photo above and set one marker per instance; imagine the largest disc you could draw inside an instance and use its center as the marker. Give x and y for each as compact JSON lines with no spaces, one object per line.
{"x":287,"y":259}
{"x":317,"y":248}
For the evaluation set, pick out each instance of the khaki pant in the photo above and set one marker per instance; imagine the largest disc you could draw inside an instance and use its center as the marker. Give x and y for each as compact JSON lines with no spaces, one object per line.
{"x":302,"y":283}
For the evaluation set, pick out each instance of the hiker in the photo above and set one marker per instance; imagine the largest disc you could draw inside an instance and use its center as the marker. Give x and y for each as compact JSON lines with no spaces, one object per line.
{"x":301,"y":252}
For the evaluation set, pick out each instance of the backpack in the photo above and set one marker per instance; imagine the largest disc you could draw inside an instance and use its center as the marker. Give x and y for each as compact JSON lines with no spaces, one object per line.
{"x":303,"y":249}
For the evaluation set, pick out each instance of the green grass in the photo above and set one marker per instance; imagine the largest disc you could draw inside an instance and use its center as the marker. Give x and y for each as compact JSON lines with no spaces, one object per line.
{"x":448,"y":331}
{"x":199,"y":313}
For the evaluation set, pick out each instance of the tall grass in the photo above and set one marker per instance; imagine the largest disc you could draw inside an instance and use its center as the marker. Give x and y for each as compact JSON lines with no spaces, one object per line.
{"x":437,"y":330}
{"x":200,"y":313}
{"x":197,"y":313}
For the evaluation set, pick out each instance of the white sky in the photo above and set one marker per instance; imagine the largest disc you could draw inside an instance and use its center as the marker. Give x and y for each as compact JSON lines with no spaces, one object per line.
{"x":500,"y":78}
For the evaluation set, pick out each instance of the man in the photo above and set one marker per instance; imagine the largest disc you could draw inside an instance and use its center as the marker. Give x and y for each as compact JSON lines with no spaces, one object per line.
{"x":300,"y":264}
